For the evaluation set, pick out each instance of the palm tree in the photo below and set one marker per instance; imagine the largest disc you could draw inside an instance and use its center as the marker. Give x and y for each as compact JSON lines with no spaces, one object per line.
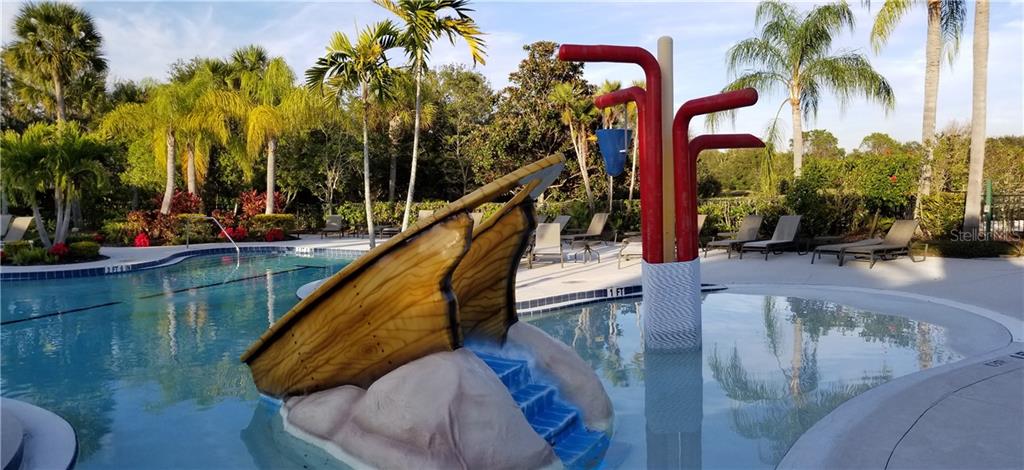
{"x":945,"y":24}
{"x":791,"y":55}
{"x":634,"y":117}
{"x":207,"y":124}
{"x":401,"y":116}
{"x":54,"y":42}
{"x":362,"y":66}
{"x":578,"y":113}
{"x":22,"y":174}
{"x":424,"y":23}
{"x":158,"y":120}
{"x":972,"y":208}
{"x":271,"y":106}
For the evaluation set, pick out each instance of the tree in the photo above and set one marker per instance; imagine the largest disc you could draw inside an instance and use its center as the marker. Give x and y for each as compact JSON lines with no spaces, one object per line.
{"x":207,"y":122}
{"x":467,"y":104}
{"x":578,"y":112}
{"x":270,"y":106}
{"x":362,"y":66}
{"x":55,"y":44}
{"x":157,"y":121}
{"x":634,"y":117}
{"x":945,"y":24}
{"x":399,"y":110}
{"x":61,"y":158}
{"x":792,"y":55}
{"x":972,"y":207}
{"x":422,"y":25}
{"x":879,"y":143}
{"x":822,"y":144}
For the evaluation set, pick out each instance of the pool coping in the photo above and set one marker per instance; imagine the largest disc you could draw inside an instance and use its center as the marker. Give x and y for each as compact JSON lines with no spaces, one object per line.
{"x":169,"y":260}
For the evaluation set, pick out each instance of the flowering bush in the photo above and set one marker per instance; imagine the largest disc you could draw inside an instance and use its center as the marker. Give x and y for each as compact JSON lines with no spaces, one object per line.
{"x":274,"y":235}
{"x":255,"y":202}
{"x":141,"y":240}
{"x":182,"y":202}
{"x":60,"y":250}
{"x":236,"y":234}
{"x":98,"y":237}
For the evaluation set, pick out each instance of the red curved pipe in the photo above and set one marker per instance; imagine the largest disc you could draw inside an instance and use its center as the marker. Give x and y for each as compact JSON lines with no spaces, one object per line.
{"x":685,"y":168}
{"x":651,"y":204}
{"x":633,"y":94}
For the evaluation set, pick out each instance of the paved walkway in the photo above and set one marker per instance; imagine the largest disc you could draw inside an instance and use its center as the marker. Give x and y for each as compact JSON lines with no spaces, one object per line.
{"x":968,"y":414}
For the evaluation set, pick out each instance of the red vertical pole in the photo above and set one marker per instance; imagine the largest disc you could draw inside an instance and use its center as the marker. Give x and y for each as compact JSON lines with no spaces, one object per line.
{"x":651,"y":204}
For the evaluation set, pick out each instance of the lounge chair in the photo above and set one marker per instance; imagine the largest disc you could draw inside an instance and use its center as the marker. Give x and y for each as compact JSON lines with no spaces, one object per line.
{"x":562,"y":221}
{"x":16,"y":230}
{"x":595,"y":229}
{"x":423,"y":214}
{"x":838,"y":248}
{"x":477,"y":218}
{"x":335,"y":224}
{"x":632,"y":247}
{"x":784,"y":236}
{"x":5,"y":221}
{"x":896,"y":243}
{"x":546,"y":242}
{"x":747,"y":233}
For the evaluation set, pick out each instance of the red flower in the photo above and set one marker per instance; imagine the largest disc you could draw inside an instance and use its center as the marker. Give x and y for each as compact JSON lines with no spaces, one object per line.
{"x":59,"y":250}
{"x":141,"y":240}
{"x":892,"y":178}
{"x":274,"y":235}
{"x":238,"y":233}
{"x":98,"y":238}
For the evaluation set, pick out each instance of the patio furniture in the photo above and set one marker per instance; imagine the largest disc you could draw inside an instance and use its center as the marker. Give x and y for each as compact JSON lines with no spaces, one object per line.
{"x":594,"y":231}
{"x":546,"y":242}
{"x":16,"y":230}
{"x":747,"y":233}
{"x":895,"y":243}
{"x":838,"y":248}
{"x":335,"y":224}
{"x":562,"y":220}
{"x":477,"y":218}
{"x":632,"y":244}
{"x":784,"y":235}
{"x":5,"y":222}
{"x":423,"y":214}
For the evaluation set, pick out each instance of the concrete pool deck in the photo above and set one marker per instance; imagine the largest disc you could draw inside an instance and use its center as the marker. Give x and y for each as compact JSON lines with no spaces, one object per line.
{"x":968,"y":414}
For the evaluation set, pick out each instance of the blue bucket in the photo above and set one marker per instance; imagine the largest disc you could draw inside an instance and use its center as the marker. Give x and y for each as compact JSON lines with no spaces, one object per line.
{"x":614,"y":144}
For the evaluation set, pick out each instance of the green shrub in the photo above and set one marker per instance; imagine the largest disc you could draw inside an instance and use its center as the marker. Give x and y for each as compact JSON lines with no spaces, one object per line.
{"x":32,"y":256}
{"x":942,"y":214}
{"x":260,"y":224}
{"x":11,"y":249}
{"x":969,"y":249}
{"x":84,"y":250}
{"x":192,"y":228}
{"x":121,"y":232}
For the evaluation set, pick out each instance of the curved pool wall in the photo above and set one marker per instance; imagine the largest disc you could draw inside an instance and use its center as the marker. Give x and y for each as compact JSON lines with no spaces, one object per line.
{"x":71,"y":340}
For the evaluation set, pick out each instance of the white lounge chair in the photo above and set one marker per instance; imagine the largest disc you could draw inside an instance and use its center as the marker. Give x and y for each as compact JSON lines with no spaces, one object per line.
{"x":16,"y":230}
{"x":546,"y":242}
{"x":5,"y":222}
{"x":335,"y":224}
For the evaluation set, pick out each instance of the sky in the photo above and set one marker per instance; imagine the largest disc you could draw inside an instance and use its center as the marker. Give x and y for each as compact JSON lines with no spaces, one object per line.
{"x":141,"y":40}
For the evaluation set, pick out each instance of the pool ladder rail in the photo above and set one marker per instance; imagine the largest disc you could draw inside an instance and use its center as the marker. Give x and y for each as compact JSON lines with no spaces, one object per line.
{"x":238,"y":251}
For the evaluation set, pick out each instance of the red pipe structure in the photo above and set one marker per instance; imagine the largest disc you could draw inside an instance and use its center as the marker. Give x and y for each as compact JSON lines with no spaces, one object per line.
{"x":685,"y":153}
{"x":651,"y":204}
{"x":633,"y":94}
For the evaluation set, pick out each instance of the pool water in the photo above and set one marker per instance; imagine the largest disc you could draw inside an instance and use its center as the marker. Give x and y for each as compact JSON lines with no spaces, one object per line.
{"x":145,"y":367}
{"x":768,"y":369}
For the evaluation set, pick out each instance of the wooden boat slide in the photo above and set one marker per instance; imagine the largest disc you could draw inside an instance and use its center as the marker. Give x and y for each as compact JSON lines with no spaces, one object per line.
{"x":425,"y":290}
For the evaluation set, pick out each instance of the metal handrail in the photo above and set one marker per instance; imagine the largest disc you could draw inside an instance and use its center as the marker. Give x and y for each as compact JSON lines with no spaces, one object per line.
{"x":221,"y":227}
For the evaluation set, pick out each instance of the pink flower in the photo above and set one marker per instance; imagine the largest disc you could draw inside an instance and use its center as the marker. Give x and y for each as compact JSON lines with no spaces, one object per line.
{"x":141,"y":240}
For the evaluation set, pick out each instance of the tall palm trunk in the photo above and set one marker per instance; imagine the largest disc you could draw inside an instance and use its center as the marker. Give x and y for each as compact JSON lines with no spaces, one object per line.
{"x":972,"y":209}
{"x":271,"y":153}
{"x":579,"y":144}
{"x":190,"y":168}
{"x":394,"y":133}
{"x":415,"y":151}
{"x":44,"y":235}
{"x":366,"y":168}
{"x":165,"y":207}
{"x":933,"y":53}
{"x":798,"y":132}
{"x":797,"y":361}
{"x":636,"y":150}
{"x":58,"y":96}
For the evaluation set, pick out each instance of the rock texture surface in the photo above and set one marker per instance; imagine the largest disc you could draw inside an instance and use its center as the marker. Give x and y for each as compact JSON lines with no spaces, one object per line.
{"x":447,"y":410}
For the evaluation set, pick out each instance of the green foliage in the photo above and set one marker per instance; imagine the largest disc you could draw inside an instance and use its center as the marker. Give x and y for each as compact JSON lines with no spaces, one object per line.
{"x":820,"y":143}
{"x":942,"y":214}
{"x":30,"y":256}
{"x":121,"y":232}
{"x":11,"y":249}
{"x":726,"y":214}
{"x":969,"y":249}
{"x":260,"y":224}
{"x":84,"y":250}
{"x":193,"y":228}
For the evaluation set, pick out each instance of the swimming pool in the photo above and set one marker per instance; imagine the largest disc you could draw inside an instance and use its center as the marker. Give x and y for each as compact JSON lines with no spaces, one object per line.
{"x":145,"y":366}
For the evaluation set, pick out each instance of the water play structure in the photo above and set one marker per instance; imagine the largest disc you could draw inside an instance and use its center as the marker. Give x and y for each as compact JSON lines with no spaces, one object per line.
{"x":411,"y":356}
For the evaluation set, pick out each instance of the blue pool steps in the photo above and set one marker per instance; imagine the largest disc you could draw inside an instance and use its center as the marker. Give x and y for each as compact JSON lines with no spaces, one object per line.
{"x":553,"y":419}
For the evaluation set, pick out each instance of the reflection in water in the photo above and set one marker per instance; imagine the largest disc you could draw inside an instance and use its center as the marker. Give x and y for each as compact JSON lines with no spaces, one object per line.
{"x":773,"y":367}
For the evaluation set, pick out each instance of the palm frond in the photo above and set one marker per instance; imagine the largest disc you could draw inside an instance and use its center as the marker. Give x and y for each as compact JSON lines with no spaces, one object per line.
{"x":888,"y":17}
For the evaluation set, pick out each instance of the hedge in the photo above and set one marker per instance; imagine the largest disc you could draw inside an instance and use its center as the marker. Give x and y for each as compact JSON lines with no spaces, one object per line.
{"x":969,"y":249}
{"x":260,"y":224}
{"x":84,"y":250}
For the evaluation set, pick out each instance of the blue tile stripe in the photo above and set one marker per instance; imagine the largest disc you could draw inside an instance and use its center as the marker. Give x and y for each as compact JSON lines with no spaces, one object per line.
{"x":173,"y":258}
